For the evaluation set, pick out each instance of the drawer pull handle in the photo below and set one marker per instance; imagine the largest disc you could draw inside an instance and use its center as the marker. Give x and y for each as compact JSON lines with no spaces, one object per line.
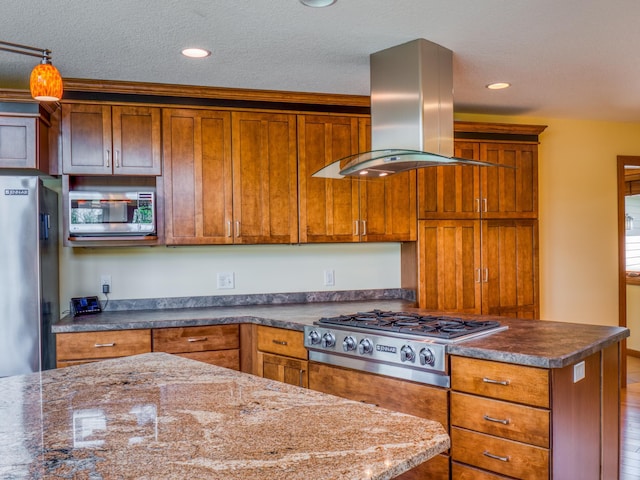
{"x":100,"y":345}
{"x":495,"y":382}
{"x":197,"y":339}
{"x":279,"y":342}
{"x":495,"y":457}
{"x":506,"y":421}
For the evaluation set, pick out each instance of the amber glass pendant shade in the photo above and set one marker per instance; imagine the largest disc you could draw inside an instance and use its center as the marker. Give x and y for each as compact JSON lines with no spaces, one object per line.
{"x":46,"y":83}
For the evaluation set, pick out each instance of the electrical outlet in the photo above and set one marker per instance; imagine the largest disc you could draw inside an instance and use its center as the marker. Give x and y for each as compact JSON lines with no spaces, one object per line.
{"x":329,"y":277}
{"x":225,"y":280}
{"x":578,"y":372}
{"x":105,"y":280}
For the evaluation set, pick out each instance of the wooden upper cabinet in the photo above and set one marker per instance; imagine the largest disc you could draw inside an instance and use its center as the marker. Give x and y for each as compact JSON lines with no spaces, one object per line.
{"x":329,"y":208}
{"x":349,"y":209}
{"x":509,"y":192}
{"x":18,"y":142}
{"x":388,"y":204}
{"x":451,"y":191}
{"x":265,"y":207}
{"x":105,"y":140}
{"x":197,"y":176}
{"x":465,"y":192}
{"x":229,"y":177}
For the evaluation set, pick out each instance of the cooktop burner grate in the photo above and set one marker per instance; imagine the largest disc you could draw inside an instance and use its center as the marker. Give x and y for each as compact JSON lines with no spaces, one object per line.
{"x":435,"y":326}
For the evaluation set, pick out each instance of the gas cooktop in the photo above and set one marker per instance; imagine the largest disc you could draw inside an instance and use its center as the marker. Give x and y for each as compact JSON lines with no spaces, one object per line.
{"x":410,"y":323}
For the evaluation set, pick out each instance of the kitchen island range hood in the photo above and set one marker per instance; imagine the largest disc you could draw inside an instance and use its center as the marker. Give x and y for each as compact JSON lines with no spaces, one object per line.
{"x":411,"y":114}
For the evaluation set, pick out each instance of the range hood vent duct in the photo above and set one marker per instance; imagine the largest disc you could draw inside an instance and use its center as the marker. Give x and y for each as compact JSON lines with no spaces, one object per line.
{"x":411,"y":113}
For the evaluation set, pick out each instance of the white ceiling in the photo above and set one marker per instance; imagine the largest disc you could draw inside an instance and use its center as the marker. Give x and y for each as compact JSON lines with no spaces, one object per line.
{"x":565,"y":58}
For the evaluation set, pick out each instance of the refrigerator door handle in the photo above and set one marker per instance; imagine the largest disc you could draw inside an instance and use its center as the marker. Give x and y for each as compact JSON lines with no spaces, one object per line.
{"x":45,"y":225}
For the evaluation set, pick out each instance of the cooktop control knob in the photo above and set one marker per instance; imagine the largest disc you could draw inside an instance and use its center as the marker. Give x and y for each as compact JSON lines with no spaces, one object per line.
{"x":314,"y":337}
{"x":365,"y":346}
{"x":407,"y":354}
{"x":328,"y":340}
{"x":427,"y":357}
{"x":349,"y":344}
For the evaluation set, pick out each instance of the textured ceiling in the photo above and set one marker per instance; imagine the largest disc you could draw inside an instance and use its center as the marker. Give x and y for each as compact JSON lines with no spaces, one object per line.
{"x":569,"y":58}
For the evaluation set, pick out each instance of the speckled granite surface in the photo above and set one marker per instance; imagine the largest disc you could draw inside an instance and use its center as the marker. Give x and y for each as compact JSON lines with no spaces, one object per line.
{"x":157,"y":416}
{"x":526,"y":342}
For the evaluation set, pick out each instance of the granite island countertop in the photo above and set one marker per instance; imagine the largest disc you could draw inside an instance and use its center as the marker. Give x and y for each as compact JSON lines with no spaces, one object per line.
{"x":159,"y":416}
{"x":537,"y":343}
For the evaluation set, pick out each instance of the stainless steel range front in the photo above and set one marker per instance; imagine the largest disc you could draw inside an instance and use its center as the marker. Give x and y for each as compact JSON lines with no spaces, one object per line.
{"x":404,"y":345}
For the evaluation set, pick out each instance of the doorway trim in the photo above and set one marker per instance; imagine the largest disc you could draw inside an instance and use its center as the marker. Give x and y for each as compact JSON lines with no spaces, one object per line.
{"x":622,"y":261}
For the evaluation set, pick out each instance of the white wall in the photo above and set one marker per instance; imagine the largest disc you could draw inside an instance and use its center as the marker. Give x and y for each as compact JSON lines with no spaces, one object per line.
{"x":155,"y":272}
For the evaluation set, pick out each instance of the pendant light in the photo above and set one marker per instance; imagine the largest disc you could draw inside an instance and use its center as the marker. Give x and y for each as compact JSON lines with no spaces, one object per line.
{"x":45,"y":82}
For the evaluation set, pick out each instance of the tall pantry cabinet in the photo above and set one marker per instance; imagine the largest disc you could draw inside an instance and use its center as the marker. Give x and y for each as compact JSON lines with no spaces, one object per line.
{"x":477,"y":248}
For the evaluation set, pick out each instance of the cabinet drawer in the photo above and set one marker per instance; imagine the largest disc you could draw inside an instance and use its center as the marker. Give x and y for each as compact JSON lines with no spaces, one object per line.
{"x":76,"y":346}
{"x":503,"y":419}
{"x":504,"y":381}
{"x":465,"y":472}
{"x":196,"y":339}
{"x":282,"y":342}
{"x":499,"y":455}
{"x":222,"y":358}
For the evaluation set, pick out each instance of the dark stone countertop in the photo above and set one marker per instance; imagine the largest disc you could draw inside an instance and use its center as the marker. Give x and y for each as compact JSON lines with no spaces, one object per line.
{"x":537,"y":343}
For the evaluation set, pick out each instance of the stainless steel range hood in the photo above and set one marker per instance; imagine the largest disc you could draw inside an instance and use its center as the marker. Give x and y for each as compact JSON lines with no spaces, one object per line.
{"x":411,"y":113}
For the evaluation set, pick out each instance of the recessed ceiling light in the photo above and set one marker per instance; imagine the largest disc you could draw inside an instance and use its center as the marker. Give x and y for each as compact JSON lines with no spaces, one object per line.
{"x":318,"y":3}
{"x":498,"y":85}
{"x":195,"y":52}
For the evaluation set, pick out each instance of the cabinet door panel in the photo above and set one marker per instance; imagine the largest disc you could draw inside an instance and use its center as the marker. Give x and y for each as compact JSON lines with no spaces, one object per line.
{"x":387,"y":205}
{"x":86,"y":139}
{"x":284,"y":369}
{"x":449,"y":262}
{"x":18,"y":142}
{"x":328,"y":207}
{"x":509,"y":255}
{"x":197,"y":176}
{"x":451,"y":191}
{"x":510,"y":192}
{"x":264,"y":178}
{"x":136,"y":141}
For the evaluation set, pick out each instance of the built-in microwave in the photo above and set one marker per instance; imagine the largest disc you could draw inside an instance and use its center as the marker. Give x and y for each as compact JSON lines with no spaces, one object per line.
{"x":98,"y":213}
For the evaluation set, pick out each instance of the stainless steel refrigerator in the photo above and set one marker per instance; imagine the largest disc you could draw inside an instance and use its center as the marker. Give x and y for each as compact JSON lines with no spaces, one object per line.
{"x":29,"y":298}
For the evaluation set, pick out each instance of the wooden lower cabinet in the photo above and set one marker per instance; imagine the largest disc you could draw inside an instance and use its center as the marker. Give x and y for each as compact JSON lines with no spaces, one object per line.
{"x":487,"y":267}
{"x":284,"y":369}
{"x":397,"y":395}
{"x":515,"y":421}
{"x":215,"y":344}
{"x":281,"y":355}
{"x":84,"y":347}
